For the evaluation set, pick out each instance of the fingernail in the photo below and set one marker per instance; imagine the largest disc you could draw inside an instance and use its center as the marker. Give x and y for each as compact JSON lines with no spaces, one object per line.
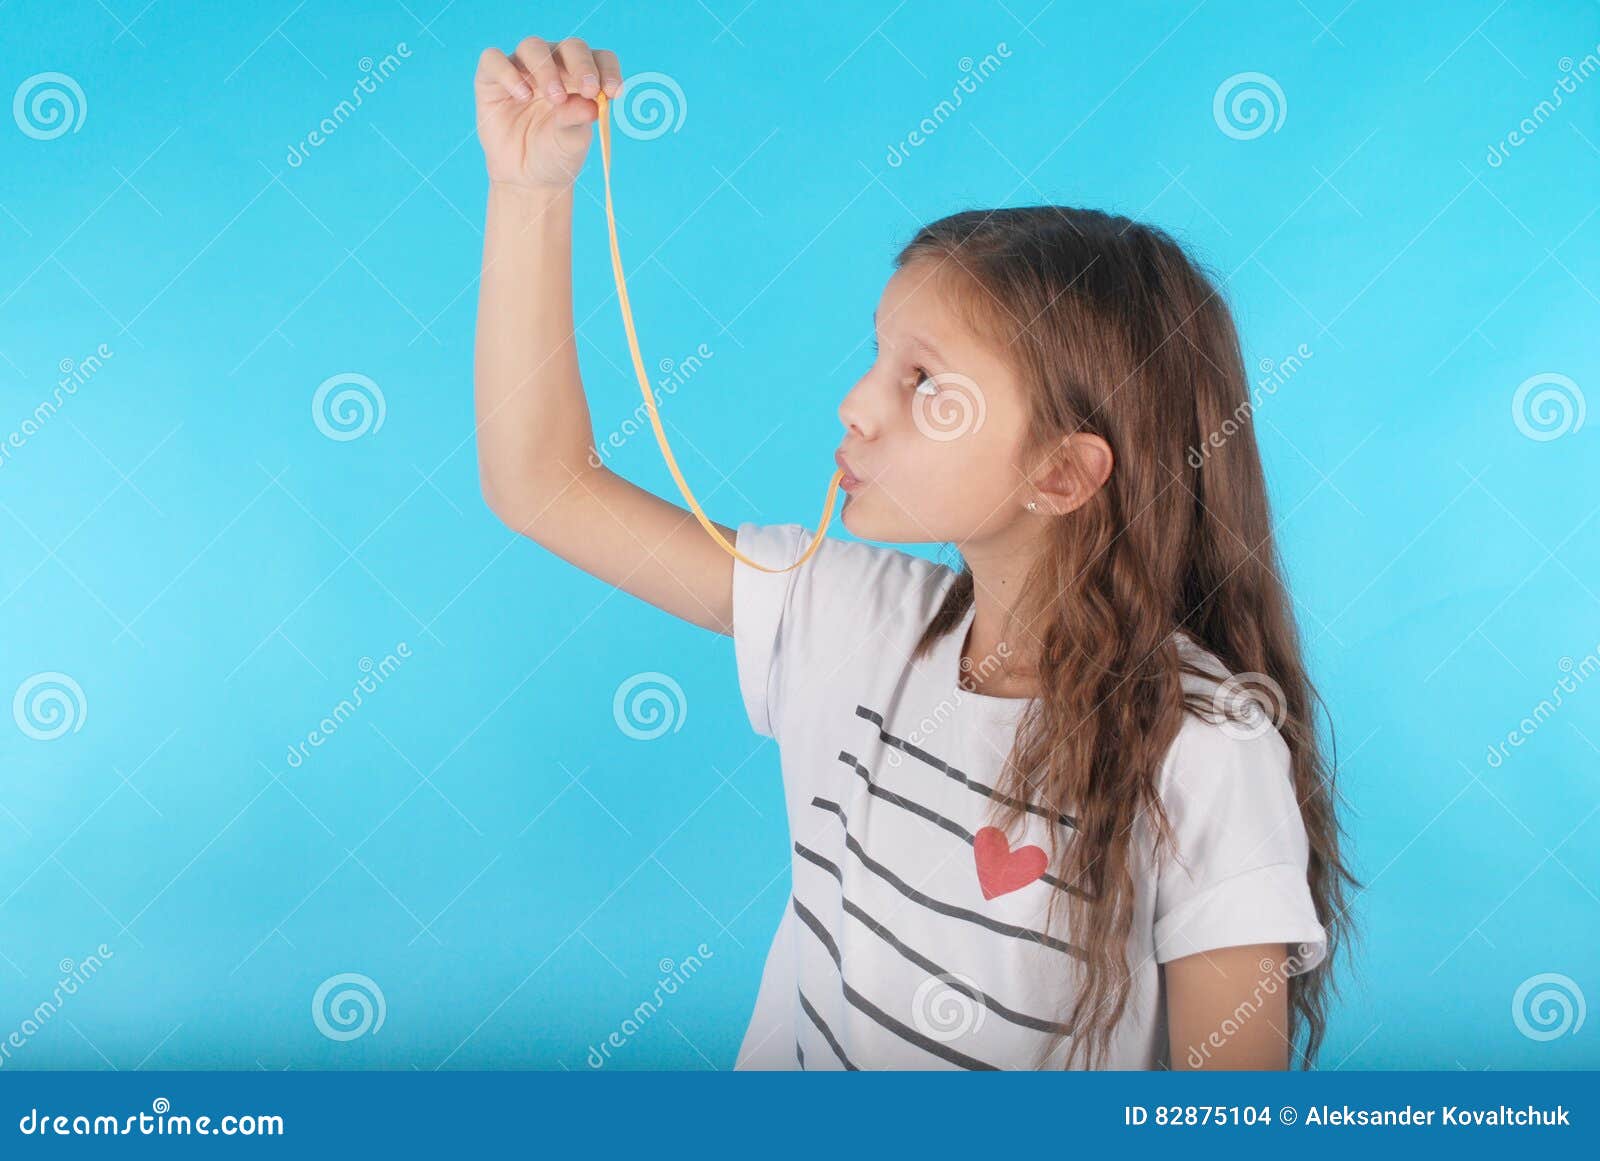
{"x":556,"y":92}
{"x":523,"y":92}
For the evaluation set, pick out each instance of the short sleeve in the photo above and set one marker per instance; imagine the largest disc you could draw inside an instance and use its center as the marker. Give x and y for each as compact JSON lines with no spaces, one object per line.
{"x":1237,"y":874}
{"x":759,"y":601}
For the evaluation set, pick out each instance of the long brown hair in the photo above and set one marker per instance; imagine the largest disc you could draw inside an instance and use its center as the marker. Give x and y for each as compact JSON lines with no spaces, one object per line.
{"x":1114,"y":330}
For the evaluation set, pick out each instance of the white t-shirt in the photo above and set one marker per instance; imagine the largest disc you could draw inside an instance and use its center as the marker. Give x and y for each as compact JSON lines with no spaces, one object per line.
{"x":912,"y":939}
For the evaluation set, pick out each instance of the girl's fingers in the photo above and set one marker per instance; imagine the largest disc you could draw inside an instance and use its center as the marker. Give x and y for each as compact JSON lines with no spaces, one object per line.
{"x":610,"y":71}
{"x":574,"y":113}
{"x":578,"y":62}
{"x":534,"y":55}
{"x":496,"y":72}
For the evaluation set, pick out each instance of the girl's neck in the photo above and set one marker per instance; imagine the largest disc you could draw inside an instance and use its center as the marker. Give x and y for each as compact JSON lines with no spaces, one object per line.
{"x":999,"y":655}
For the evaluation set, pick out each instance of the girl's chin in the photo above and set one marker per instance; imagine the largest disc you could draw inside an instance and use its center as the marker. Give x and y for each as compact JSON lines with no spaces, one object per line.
{"x":861,"y":523}
{"x":850,"y":515}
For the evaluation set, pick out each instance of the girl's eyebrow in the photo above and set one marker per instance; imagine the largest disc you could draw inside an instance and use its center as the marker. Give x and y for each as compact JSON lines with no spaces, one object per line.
{"x":915,"y":340}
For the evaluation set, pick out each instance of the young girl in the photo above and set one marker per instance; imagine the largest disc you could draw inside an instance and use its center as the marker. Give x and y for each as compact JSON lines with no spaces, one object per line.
{"x":1060,"y":806}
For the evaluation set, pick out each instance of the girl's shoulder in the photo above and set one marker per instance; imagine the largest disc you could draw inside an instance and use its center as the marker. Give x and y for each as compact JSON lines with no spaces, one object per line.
{"x":1229,"y":742}
{"x":1235,"y":872}
{"x":852,"y":608}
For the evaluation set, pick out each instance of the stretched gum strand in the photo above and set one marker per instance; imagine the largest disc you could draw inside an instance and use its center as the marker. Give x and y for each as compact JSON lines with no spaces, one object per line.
{"x":604,"y":104}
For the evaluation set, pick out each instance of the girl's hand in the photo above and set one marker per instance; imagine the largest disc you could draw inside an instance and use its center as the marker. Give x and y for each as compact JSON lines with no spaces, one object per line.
{"x":535,"y":108}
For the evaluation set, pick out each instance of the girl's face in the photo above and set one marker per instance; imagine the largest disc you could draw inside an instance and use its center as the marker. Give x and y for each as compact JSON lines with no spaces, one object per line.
{"x":934,"y":429}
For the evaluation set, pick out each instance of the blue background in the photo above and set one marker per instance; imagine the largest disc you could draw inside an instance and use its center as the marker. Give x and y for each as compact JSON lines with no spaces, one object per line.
{"x":481,"y":839}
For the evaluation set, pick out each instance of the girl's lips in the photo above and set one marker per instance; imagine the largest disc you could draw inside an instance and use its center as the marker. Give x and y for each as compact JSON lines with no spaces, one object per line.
{"x":848,"y":482}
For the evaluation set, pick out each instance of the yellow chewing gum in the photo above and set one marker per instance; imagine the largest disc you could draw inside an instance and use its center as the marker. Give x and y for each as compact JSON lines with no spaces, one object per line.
{"x":644,"y":380}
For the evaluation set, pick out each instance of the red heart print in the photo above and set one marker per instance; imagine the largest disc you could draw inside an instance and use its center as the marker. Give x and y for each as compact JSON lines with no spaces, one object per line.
{"x":1002,"y":870}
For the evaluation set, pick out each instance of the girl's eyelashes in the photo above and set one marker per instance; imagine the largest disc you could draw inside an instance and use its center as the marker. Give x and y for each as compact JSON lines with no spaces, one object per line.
{"x":922,"y":382}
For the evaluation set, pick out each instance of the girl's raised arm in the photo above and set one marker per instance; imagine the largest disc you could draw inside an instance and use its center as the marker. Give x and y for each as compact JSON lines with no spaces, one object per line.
{"x":536,"y":111}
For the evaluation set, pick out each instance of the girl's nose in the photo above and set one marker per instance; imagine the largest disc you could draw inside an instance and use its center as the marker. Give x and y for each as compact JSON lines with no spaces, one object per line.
{"x":855,"y":414}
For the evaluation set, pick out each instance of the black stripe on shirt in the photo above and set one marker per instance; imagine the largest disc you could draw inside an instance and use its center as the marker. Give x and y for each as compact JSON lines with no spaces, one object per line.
{"x":927,"y":901}
{"x":936,"y":818}
{"x":827,"y":1033}
{"x":1022,"y":1019}
{"x":951,"y":772}
{"x":904,"y":1031}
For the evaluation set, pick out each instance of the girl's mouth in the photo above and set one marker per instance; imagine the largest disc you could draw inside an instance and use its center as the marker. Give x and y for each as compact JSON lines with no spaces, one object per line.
{"x":847,"y":481}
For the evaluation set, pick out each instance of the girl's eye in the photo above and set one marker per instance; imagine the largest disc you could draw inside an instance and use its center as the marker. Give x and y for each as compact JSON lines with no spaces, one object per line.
{"x":922,"y":382}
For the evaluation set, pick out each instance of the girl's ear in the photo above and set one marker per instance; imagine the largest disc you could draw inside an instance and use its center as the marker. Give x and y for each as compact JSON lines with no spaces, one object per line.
{"x":1080,"y":467}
